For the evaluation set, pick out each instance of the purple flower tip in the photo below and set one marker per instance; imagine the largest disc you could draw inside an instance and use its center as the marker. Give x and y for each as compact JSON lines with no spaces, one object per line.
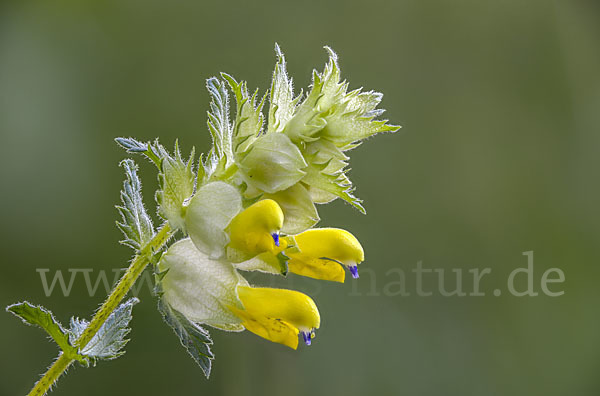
{"x":354,"y":271}
{"x":307,"y":337}
{"x":275,"y":238}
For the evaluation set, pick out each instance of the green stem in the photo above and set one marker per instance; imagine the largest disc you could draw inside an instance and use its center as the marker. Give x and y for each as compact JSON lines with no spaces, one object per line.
{"x":112,"y":302}
{"x":46,"y":382}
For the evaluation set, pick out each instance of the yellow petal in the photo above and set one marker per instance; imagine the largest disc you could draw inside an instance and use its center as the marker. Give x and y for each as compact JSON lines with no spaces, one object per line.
{"x":316,"y":268}
{"x":251,"y":231}
{"x":277,"y":314}
{"x":320,"y":251}
{"x":271,"y":329}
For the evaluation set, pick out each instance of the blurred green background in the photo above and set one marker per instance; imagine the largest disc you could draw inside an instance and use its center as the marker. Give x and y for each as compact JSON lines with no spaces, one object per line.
{"x":498,"y":155}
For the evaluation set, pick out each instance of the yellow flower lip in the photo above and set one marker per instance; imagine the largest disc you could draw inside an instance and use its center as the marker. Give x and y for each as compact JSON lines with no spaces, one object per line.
{"x":278,"y":315}
{"x":256,"y":229}
{"x":323,"y":252}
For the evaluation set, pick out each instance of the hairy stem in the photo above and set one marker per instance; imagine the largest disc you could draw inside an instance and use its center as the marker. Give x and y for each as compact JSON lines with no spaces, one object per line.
{"x":55,"y":371}
{"x":112,"y":302}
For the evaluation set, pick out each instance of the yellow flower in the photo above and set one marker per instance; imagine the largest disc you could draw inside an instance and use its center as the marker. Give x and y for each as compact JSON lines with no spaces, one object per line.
{"x":278,"y":315}
{"x":322,"y":252}
{"x":212,"y":292}
{"x":256,"y":229}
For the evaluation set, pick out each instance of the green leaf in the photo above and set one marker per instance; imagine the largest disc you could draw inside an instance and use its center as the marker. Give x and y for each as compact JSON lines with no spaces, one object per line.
{"x":249,"y":118}
{"x":39,"y":316}
{"x":221,"y":154}
{"x":177,"y":179}
{"x":177,"y":182}
{"x":134,"y":146}
{"x":330,"y":111}
{"x":109,"y":341}
{"x":353,"y":119}
{"x":135,"y":223}
{"x":282,"y":101}
{"x":336,"y":184}
{"x":194,"y":338}
{"x":326,"y":91}
{"x":324,"y":151}
{"x":326,"y":175}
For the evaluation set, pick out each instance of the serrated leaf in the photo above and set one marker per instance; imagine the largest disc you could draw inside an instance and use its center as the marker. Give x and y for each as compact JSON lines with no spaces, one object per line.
{"x":221,"y":154}
{"x":336,"y":184}
{"x":132,"y":145}
{"x":324,"y":151}
{"x":177,"y":182}
{"x":110,"y":339}
{"x":194,"y":338}
{"x":249,"y":118}
{"x":326,"y":177}
{"x":330,"y":111}
{"x":282,"y":101}
{"x":36,"y":315}
{"x":135,"y":223}
{"x":325,"y":92}
{"x":353,"y":119}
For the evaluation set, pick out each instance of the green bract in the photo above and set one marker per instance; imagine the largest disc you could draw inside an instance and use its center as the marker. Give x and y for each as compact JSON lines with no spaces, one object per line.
{"x":177,"y":181}
{"x":299,"y":211}
{"x":273,"y":163}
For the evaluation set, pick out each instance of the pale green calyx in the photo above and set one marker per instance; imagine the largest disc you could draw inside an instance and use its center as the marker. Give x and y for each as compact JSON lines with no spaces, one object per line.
{"x":299,"y":211}
{"x":200,"y":288}
{"x":273,"y":163}
{"x":209,"y":212}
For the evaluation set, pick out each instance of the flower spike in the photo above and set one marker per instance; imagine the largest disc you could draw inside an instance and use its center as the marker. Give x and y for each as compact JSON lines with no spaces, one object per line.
{"x":246,"y":205}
